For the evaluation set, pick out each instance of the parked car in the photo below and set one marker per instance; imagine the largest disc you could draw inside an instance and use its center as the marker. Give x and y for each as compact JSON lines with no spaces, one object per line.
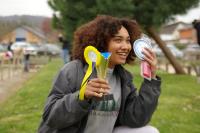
{"x":192,"y":48}
{"x":192,"y":52}
{"x":32,"y":49}
{"x":27,"y":47}
{"x":175,"y":51}
{"x":2,"y":48}
{"x":49,"y":49}
{"x":158,"y":51}
{"x":18,"y":45}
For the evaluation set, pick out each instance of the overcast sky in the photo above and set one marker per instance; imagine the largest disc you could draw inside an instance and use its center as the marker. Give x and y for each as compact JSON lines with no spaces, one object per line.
{"x":40,"y":7}
{"x":27,"y":7}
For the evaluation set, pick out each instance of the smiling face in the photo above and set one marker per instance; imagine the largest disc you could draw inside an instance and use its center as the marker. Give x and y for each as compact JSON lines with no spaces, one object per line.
{"x":120,"y":47}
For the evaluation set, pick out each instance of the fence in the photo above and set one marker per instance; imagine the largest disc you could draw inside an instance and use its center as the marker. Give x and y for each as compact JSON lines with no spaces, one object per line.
{"x":11,"y":67}
{"x":191,"y":67}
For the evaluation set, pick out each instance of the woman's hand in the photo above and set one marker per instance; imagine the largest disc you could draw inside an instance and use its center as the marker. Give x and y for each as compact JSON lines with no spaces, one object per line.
{"x":96,"y":88}
{"x":151,"y":58}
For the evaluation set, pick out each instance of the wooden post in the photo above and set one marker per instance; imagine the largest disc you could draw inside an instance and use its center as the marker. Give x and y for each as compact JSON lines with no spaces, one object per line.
{"x":189,"y":70}
{"x":167,"y":67}
{"x":198,"y":80}
{"x":1,"y":69}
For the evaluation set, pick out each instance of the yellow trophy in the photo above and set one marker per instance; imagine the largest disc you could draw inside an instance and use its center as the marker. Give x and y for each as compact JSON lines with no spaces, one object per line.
{"x":94,"y":59}
{"x":103,"y":65}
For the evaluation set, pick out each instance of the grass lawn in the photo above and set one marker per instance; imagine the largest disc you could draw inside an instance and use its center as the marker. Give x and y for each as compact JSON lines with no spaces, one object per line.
{"x":178,"y":110}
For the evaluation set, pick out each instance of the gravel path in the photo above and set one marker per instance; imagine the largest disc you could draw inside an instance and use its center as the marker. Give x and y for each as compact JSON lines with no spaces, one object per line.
{"x":9,"y":85}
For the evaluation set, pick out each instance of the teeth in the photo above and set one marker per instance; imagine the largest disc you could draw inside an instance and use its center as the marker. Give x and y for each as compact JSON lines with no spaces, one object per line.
{"x":124,"y":54}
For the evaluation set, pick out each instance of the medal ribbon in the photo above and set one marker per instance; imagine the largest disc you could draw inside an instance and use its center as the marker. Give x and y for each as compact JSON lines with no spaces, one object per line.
{"x":91,"y":65}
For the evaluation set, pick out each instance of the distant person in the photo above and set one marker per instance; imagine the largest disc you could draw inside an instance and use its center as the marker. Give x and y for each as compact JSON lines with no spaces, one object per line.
{"x":196,"y":24}
{"x":9,"y":47}
{"x":9,"y":53}
{"x":65,"y":49}
{"x":26,"y":61}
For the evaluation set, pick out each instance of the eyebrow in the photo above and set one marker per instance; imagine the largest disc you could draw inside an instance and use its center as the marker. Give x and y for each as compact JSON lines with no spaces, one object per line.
{"x":120,"y":36}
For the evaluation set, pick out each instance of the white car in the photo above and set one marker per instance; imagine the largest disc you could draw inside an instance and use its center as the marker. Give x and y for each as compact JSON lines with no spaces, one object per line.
{"x":49,"y":49}
{"x":2,"y":48}
{"x":18,"y":45}
{"x":175,"y":51}
{"x":32,"y":49}
{"x":192,"y":52}
{"x":28,"y":48}
{"x":192,"y":48}
{"x":158,"y":51}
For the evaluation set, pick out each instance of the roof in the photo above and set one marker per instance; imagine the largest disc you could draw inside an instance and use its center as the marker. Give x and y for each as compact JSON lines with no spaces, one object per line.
{"x":169,"y":29}
{"x":35,"y":31}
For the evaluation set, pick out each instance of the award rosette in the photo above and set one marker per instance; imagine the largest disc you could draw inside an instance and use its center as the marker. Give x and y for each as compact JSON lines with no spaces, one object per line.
{"x":138,"y":47}
{"x":92,"y":57}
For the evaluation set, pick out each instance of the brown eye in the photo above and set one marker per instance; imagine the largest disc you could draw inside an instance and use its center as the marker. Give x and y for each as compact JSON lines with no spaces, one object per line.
{"x":118,"y":40}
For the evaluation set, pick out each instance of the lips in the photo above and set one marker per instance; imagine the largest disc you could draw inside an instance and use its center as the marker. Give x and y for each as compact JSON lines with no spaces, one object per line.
{"x":122,"y":54}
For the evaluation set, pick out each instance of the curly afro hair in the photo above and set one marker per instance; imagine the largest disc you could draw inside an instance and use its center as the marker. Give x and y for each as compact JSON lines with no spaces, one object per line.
{"x":98,"y":33}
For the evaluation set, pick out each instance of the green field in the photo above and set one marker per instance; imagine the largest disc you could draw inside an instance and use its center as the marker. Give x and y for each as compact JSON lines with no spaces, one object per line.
{"x":178,"y":110}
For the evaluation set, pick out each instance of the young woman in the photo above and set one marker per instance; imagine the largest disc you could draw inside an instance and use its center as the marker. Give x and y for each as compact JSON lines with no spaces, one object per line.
{"x":125,"y":110}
